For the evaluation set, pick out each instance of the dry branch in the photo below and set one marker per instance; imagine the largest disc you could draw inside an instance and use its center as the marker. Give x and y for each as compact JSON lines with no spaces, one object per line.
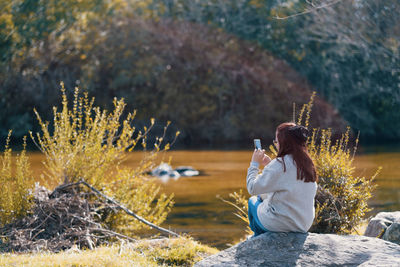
{"x":129,"y":212}
{"x":66,"y":217}
{"x":117,"y":205}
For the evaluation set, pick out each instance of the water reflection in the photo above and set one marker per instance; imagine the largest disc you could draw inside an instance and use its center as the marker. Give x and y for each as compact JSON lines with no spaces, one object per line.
{"x":198,"y":212}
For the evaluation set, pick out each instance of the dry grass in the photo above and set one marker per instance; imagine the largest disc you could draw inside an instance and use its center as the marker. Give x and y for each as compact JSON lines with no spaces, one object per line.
{"x":360,"y":229}
{"x":159,"y":252}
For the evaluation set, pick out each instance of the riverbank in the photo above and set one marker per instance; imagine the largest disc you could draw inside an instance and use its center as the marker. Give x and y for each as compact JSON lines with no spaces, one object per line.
{"x":147,"y":252}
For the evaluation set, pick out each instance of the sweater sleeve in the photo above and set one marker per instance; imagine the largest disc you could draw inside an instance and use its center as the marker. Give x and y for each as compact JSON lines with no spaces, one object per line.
{"x":266,"y":182}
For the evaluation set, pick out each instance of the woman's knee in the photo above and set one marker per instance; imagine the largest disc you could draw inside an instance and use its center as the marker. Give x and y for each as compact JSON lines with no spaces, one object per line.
{"x":253,"y":200}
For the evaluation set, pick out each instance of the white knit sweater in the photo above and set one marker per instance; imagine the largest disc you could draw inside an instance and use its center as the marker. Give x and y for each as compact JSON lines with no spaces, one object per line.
{"x":288,"y":204}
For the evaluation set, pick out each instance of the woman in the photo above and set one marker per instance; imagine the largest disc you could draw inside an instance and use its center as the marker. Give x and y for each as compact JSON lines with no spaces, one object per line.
{"x":283,"y":194}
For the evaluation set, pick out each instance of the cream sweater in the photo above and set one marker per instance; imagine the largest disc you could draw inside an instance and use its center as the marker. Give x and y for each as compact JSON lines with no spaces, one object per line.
{"x":288,"y":204}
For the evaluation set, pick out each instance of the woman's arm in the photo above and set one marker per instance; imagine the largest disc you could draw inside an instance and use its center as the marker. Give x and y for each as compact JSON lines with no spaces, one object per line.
{"x":266,"y":182}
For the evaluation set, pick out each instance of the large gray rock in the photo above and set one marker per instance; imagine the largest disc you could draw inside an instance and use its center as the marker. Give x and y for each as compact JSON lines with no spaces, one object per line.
{"x":378,"y":225}
{"x":392,"y":233}
{"x":296,"y":249}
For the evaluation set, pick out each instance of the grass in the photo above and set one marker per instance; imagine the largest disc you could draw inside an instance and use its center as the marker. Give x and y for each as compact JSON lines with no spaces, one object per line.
{"x":360,"y":229}
{"x":159,"y":252}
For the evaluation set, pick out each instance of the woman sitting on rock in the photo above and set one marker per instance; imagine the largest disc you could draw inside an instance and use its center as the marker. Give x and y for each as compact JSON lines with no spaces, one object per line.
{"x":283,"y":194}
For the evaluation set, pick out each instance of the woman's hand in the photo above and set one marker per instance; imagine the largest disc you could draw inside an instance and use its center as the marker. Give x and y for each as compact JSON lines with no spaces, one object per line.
{"x":260,"y":157}
{"x":265,"y":160}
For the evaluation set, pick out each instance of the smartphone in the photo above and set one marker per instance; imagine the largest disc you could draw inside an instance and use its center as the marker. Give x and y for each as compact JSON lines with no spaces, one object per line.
{"x":257,"y":143}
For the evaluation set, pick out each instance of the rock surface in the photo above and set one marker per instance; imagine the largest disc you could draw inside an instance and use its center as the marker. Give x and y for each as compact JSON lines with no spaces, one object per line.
{"x":296,"y":249}
{"x":392,"y":233}
{"x":378,"y":225}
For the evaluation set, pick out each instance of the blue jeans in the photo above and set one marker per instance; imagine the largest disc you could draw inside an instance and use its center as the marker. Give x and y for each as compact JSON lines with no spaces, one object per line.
{"x":255,"y":224}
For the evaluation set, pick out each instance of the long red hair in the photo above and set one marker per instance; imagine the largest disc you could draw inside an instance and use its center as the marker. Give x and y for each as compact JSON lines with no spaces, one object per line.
{"x":292,"y":140}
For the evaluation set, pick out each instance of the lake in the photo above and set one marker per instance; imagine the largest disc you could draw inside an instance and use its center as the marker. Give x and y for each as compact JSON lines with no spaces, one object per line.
{"x":198,"y":211}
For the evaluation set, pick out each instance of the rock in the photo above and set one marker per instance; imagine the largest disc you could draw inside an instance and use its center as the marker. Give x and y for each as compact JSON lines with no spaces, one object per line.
{"x":378,"y":225}
{"x":187,"y":171}
{"x":164,"y":171}
{"x":392,"y":233}
{"x":376,"y":228}
{"x":41,"y":193}
{"x":296,"y":249}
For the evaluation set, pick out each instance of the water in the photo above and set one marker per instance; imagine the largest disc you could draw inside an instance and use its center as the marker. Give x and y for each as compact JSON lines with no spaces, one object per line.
{"x":201,"y":214}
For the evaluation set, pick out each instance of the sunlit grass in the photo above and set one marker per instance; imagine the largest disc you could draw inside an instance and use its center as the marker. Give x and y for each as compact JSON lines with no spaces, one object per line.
{"x":165,"y":252}
{"x":360,"y":228}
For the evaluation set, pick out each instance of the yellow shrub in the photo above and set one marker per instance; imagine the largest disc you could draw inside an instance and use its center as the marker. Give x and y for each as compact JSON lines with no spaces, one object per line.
{"x":90,"y":144}
{"x":239,"y":202}
{"x":16,"y":185}
{"x":341,"y":200}
{"x":342,"y":197}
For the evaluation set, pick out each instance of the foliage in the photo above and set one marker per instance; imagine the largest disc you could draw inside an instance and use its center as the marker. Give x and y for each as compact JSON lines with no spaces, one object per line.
{"x":31,"y":34}
{"x":32,"y":24}
{"x":349,"y":50}
{"x":142,"y":195}
{"x":164,"y":252}
{"x":90,"y":144}
{"x":345,"y":206}
{"x":240,"y":203}
{"x":342,"y":198}
{"x":359,"y":47}
{"x":216,"y":94}
{"x":341,"y":202}
{"x":16,"y":185}
{"x":211,"y":84}
{"x":175,"y":252}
